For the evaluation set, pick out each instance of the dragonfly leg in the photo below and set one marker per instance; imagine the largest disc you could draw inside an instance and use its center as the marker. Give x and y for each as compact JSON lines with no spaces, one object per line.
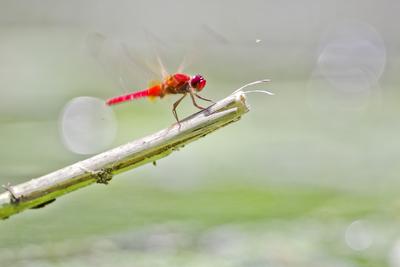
{"x":202,"y":98}
{"x":194,"y":102}
{"x":175,"y":106}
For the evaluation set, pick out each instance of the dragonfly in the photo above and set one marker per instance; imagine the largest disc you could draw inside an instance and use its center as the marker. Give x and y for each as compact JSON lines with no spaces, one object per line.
{"x":177,"y":83}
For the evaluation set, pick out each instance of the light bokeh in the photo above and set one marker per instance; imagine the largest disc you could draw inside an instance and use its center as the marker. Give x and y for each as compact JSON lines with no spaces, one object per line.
{"x":87,"y":125}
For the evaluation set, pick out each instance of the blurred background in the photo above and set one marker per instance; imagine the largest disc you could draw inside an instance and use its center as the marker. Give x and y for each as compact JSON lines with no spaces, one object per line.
{"x":309,"y":177}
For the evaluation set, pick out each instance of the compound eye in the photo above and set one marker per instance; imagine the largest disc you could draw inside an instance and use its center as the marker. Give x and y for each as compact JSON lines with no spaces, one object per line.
{"x":201,"y":85}
{"x":198,"y":82}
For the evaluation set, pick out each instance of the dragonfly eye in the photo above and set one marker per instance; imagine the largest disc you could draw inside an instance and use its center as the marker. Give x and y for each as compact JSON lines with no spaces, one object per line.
{"x":198,"y":82}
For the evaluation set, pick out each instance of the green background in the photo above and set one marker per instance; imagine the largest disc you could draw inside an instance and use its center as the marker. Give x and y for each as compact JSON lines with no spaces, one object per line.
{"x":303,"y":176}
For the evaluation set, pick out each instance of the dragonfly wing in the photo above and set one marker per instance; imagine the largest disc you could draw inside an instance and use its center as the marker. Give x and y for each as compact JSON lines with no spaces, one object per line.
{"x":161,"y":50}
{"x":124,"y":66}
{"x":183,"y":50}
{"x":132,"y":55}
{"x":164,"y":72}
{"x":204,"y":37}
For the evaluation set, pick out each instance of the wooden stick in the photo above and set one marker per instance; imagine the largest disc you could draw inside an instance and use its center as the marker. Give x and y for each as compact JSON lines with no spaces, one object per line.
{"x":101,"y":168}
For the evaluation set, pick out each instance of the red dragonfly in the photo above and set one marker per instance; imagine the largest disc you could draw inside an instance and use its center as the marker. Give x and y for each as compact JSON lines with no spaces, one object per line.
{"x":178,"y":83}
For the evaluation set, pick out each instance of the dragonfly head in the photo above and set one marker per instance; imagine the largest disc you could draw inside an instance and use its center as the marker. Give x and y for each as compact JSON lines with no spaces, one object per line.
{"x":197,"y":82}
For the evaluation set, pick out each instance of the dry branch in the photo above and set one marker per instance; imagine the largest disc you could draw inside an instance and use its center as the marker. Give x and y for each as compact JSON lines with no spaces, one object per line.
{"x":100,"y":168}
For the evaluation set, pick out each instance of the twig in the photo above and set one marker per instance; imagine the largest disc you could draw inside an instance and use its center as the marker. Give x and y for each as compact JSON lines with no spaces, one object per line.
{"x":38,"y":192}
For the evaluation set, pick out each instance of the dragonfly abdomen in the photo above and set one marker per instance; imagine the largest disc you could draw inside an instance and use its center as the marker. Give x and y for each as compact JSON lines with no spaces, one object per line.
{"x":153,"y":91}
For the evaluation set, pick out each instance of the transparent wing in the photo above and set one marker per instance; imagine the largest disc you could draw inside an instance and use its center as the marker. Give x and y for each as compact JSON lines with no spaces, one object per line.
{"x":124,"y":64}
{"x":184,"y":51}
{"x":204,"y":39}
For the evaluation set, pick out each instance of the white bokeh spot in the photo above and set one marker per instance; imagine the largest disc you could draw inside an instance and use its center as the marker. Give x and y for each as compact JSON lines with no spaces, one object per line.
{"x":87,"y":125}
{"x":358,"y":235}
{"x":352,"y":56}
